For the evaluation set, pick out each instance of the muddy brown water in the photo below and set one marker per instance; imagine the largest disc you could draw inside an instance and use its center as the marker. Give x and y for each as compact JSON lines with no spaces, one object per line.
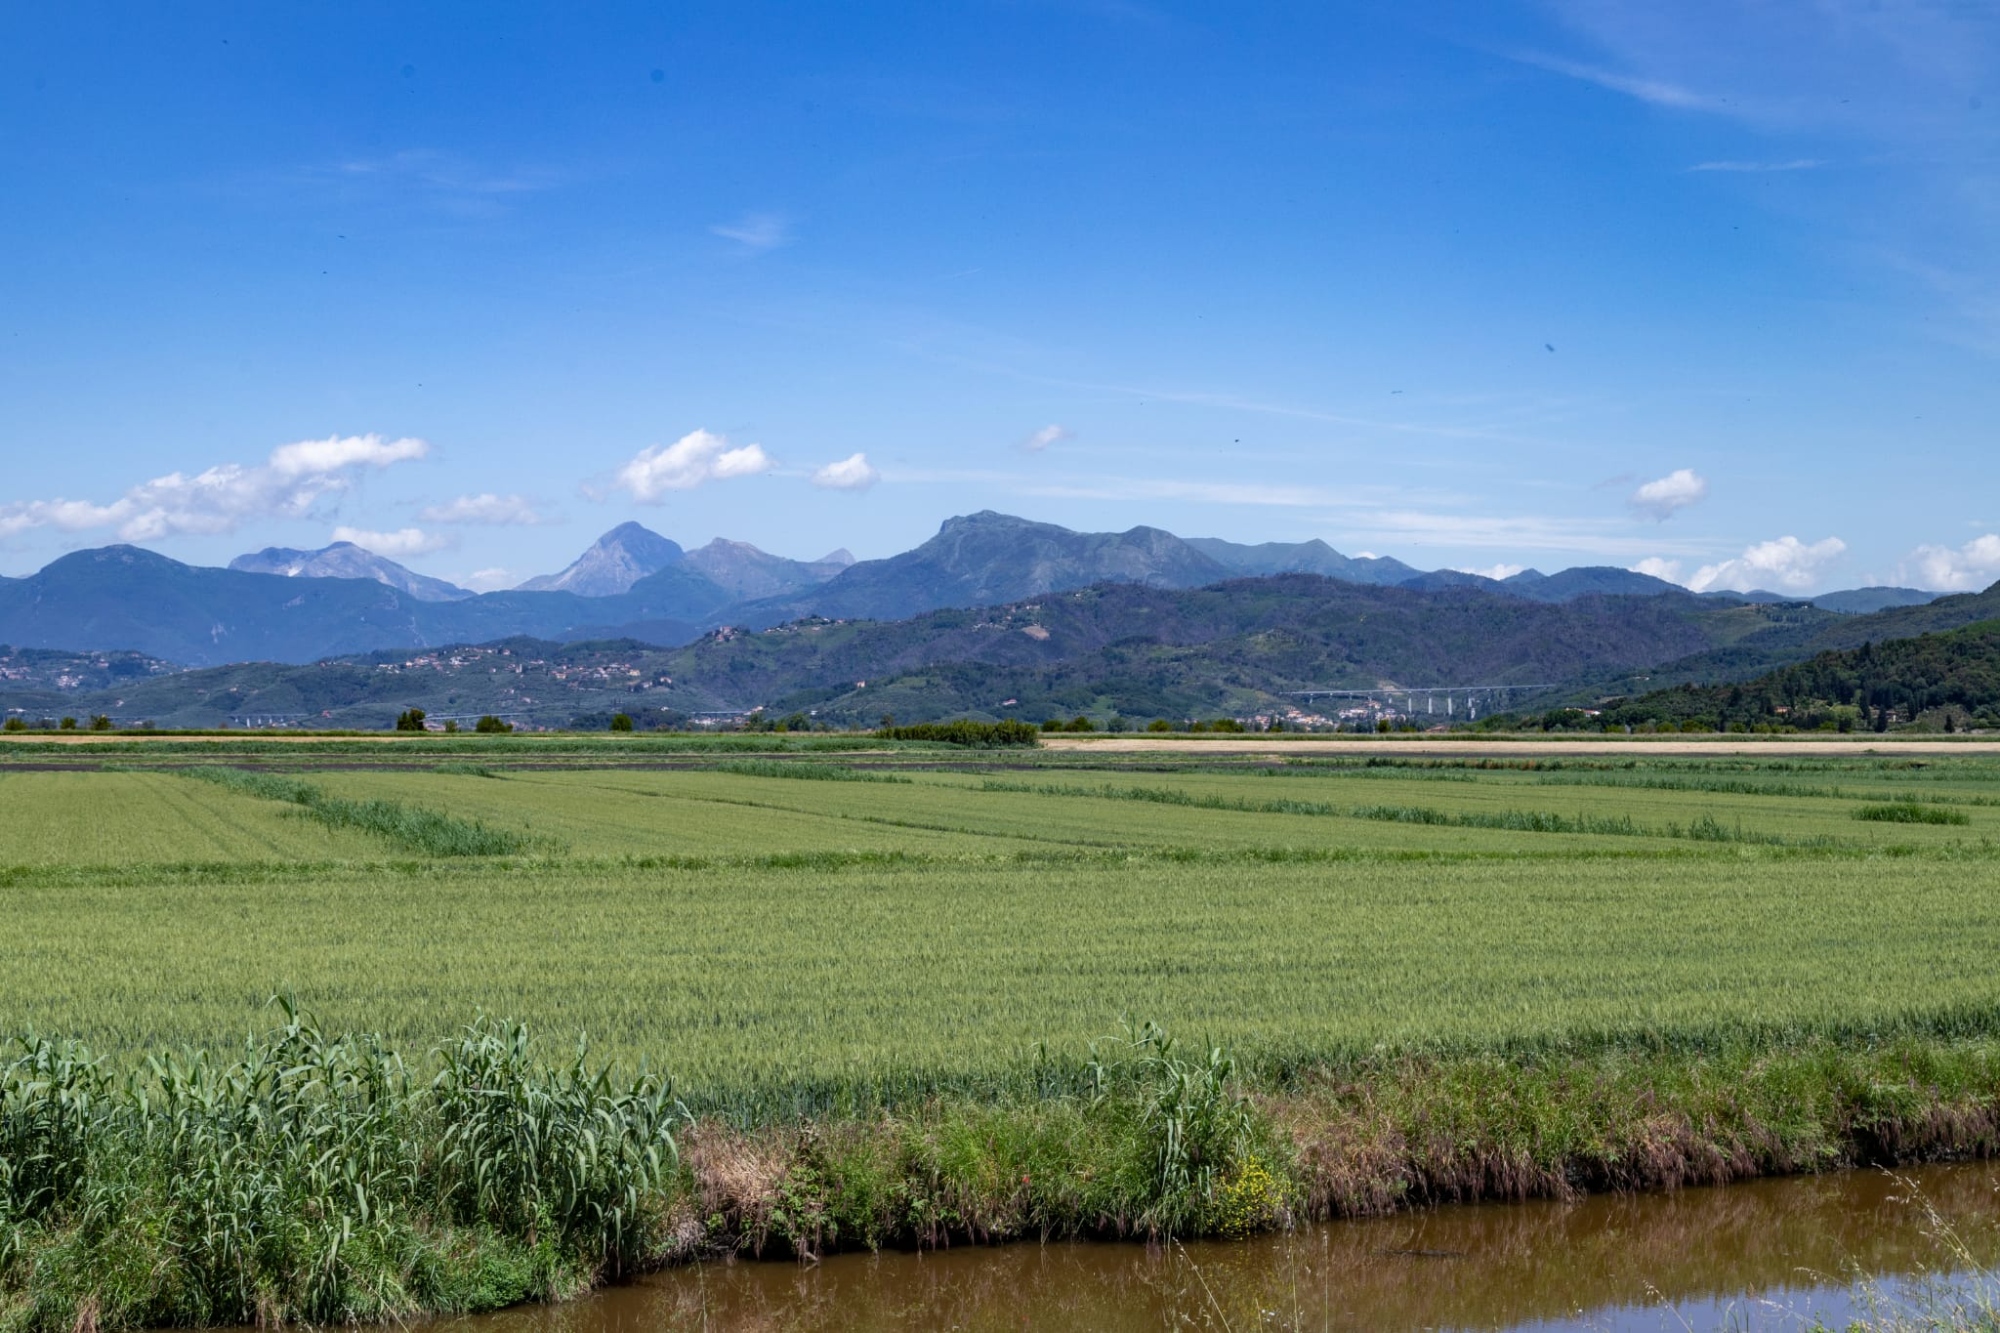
{"x":1764,"y":1255}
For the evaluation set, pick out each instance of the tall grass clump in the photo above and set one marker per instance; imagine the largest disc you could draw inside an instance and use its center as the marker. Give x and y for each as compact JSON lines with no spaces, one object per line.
{"x":1911,"y":812}
{"x":317,"y":1179}
{"x":1193,"y":1154}
{"x":425,"y":832}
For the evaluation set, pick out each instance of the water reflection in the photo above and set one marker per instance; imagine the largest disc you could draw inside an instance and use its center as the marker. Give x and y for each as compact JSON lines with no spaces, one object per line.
{"x":1762,"y":1255}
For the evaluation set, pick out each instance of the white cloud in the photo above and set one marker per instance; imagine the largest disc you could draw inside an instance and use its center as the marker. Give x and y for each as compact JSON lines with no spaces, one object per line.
{"x":498,"y":510}
{"x":1046,"y":436}
{"x":310,"y":458}
{"x":756,"y":232}
{"x":487,"y":580}
{"x":401,"y":543}
{"x":1677,"y":490}
{"x":223,"y":497}
{"x":852,"y":473}
{"x":1659,"y":568}
{"x":694,"y":458}
{"x":1784,"y":565}
{"x":1499,"y":571}
{"x":1969,"y":568}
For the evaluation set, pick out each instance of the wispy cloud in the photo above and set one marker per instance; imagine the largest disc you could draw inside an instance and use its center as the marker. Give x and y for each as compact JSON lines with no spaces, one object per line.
{"x":1041,"y":439}
{"x":222,"y":498}
{"x":1376,"y":514}
{"x":756,"y":232}
{"x":1795,"y":164}
{"x":1503,"y":532}
{"x":486,"y":508}
{"x":439,"y":181}
{"x":1200,"y":492}
{"x":397,"y":545}
{"x":1657,"y":92}
{"x":692,"y":460}
{"x":444,"y":173}
{"x":852,"y":473}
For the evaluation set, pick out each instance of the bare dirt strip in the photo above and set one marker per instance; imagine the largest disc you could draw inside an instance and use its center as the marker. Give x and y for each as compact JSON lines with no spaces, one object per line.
{"x":1329,"y":746}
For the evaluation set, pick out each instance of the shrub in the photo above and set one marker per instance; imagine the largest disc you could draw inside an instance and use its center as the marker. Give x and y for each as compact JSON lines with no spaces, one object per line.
{"x":1159,"y":724}
{"x":410,"y":719}
{"x":1079,"y":723}
{"x":100,"y":723}
{"x":69,"y":724}
{"x":621,"y":722}
{"x":1049,"y":724}
{"x":15,"y":724}
{"x":973,"y":735}
{"x":492,"y":726}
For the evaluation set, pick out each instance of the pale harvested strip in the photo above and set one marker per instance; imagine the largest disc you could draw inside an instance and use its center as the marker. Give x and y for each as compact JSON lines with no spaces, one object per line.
{"x":121,"y":818}
{"x":1076,"y":814}
{"x":1793,"y":818}
{"x":683,"y":814}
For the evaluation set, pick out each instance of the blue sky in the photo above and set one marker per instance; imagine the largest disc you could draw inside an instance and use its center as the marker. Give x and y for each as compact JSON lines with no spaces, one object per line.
{"x":1709,"y":289}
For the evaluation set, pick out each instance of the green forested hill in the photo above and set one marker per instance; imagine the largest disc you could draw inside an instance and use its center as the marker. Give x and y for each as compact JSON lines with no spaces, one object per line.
{"x":1751,"y":640}
{"x":1954,"y":675}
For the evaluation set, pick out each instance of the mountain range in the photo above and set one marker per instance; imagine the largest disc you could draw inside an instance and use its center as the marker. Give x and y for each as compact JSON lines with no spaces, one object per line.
{"x":1230,"y":648}
{"x":300,"y":606}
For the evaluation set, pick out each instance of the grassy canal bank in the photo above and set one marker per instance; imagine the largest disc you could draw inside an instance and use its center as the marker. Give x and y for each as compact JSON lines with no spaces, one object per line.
{"x":882,"y":995}
{"x":323,"y":1179}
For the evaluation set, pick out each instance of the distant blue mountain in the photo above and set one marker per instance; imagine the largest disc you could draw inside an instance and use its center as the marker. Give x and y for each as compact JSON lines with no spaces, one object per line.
{"x":300,"y":606}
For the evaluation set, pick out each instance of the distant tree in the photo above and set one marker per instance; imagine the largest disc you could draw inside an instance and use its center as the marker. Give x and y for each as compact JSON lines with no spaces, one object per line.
{"x":451,"y":726}
{"x":621,"y":722}
{"x":410,"y":719}
{"x":100,"y":723}
{"x":15,"y":724}
{"x":1079,"y":723}
{"x":1157,"y":724}
{"x":490,"y":725}
{"x":1052,"y":724}
{"x":69,"y":724}
{"x":1881,"y":719}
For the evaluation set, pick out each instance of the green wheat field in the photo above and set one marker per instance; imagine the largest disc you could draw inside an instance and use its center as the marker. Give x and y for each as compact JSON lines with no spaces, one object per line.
{"x":799,"y":924}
